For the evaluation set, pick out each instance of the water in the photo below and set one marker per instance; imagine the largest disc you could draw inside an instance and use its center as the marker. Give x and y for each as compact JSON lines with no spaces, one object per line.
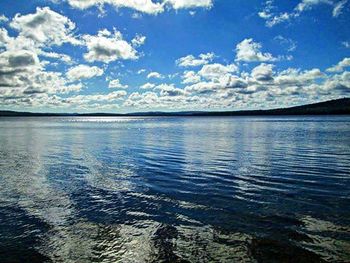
{"x":240,"y":189}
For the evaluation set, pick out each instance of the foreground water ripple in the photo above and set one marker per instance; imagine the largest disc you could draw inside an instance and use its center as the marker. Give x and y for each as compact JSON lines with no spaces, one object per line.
{"x":244,"y":189}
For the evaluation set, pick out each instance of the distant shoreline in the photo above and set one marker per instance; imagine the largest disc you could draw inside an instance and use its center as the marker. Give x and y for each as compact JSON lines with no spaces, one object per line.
{"x":331,"y":107}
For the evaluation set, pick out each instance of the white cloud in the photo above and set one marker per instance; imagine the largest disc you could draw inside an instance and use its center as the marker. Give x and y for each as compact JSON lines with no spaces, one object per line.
{"x":11,"y":61}
{"x":45,"y":27}
{"x":308,"y":4}
{"x":190,"y":77}
{"x":179,"y":4}
{"x":340,"y":66}
{"x":144,"y":100}
{"x":216,"y":71}
{"x":140,"y":71}
{"x":148,"y":86}
{"x":203,"y":87}
{"x":21,"y":43}
{"x":63,"y":57}
{"x":169,"y":90}
{"x":83,"y":72}
{"x":155,"y":75}
{"x":107,"y":47}
{"x":191,"y":61}
{"x":264,"y":84}
{"x":139,"y":40}
{"x":86,"y":99}
{"x":272,"y":18}
{"x":249,"y":51}
{"x":170,"y":97}
{"x":263,"y":72}
{"x":26,"y":80}
{"x":143,"y":6}
{"x":293,"y":77}
{"x":3,"y":18}
{"x":262,"y":87}
{"x":338,"y":8}
{"x":280,"y":18}
{"x":234,"y":82}
{"x":4,"y":37}
{"x":22,"y":76}
{"x":115,"y":83}
{"x":339,"y":83}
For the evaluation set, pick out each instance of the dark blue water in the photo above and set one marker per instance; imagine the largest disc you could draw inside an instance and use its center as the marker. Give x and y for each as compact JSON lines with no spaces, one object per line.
{"x":240,"y":189}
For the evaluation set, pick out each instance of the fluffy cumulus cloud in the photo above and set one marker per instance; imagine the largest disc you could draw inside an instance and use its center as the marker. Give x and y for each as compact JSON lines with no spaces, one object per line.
{"x":45,"y":27}
{"x":218,"y":86}
{"x":40,"y":32}
{"x":340,"y":66}
{"x":204,"y":87}
{"x":4,"y":37}
{"x":24,"y":76}
{"x":83,"y":72}
{"x":216,"y":70}
{"x":115,"y":83}
{"x":144,"y":6}
{"x":155,"y":75}
{"x":190,"y":77}
{"x":85,"y":99}
{"x":147,"y":86}
{"x":23,"y":79}
{"x":296,"y":78}
{"x":338,"y":83}
{"x":178,"y":4}
{"x":192,"y":61}
{"x":107,"y":46}
{"x":169,"y":90}
{"x":249,"y":51}
{"x":11,"y":61}
{"x":36,"y":70}
{"x":263,"y":72}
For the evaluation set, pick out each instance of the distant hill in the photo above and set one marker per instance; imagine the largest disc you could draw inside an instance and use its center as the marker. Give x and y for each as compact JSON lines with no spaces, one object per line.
{"x":331,"y":107}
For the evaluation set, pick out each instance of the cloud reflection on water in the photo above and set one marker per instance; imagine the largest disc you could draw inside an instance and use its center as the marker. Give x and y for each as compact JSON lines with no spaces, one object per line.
{"x":190,"y":189}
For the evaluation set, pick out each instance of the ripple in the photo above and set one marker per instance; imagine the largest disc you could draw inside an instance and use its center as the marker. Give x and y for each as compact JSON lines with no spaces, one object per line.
{"x":107,"y":189}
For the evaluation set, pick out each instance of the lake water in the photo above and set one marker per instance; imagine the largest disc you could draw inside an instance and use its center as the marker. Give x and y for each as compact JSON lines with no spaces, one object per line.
{"x":231,"y":189}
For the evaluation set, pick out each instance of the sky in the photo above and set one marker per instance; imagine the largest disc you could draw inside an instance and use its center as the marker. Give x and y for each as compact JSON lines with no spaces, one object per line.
{"x":172,"y":55}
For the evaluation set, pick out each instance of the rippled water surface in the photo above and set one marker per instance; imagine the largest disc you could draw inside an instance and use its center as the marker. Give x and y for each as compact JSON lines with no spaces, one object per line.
{"x":242,"y":189}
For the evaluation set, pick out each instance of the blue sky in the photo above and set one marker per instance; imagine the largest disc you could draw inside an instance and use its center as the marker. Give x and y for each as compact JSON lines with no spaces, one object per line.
{"x":170,"y":55}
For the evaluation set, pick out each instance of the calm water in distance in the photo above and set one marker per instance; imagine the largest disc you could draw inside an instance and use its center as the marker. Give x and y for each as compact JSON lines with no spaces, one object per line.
{"x":203,"y":189}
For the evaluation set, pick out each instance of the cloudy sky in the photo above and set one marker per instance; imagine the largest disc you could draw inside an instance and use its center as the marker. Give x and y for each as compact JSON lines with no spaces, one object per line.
{"x":171,"y":55}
